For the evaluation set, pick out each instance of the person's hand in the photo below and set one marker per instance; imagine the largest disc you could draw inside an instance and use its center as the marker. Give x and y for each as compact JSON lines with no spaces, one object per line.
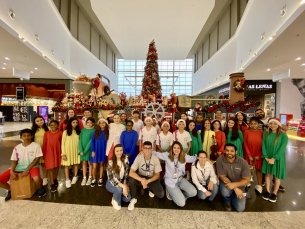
{"x":209,"y":161}
{"x":271,"y":161}
{"x":64,"y":157}
{"x":24,"y":174}
{"x":207,"y":193}
{"x":210,"y":185}
{"x":230,"y":186}
{"x":219,"y":153}
{"x":214,"y":140}
{"x":128,"y":155}
{"x":267,"y":159}
{"x":125,"y":191}
{"x":251,"y":158}
{"x":81,"y":153}
{"x":257,"y":158}
{"x":128,"y":190}
{"x":141,"y":153}
{"x":239,"y":193}
{"x":144,"y":183}
{"x":93,"y":154}
{"x":13,"y":175}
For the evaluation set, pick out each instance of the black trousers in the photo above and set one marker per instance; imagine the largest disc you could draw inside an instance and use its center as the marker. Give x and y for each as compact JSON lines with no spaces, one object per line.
{"x":155,"y":187}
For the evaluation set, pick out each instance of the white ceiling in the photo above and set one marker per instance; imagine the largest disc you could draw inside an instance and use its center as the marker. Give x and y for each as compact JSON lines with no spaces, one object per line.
{"x":281,"y":54}
{"x":173,"y":24}
{"x":22,"y":57}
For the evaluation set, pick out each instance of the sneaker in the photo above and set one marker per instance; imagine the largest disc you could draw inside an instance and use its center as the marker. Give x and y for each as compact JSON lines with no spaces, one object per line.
{"x":115,"y":205}
{"x":100,"y":182}
{"x":74,"y":180}
{"x":259,"y":189}
{"x":84,"y":181}
{"x":41,"y":192}
{"x":56,"y":182}
{"x":272,"y":198}
{"x":249,"y":185}
{"x":89,"y":181}
{"x":8,"y":196}
{"x":167,"y":194}
{"x":132,"y":203}
{"x":211,"y":205}
{"x":45,"y":182}
{"x":68,"y":184}
{"x":281,"y":188}
{"x":228,"y":207}
{"x":93,"y":183}
{"x":151,"y":194}
{"x":266,"y":195}
{"x":53,"y":188}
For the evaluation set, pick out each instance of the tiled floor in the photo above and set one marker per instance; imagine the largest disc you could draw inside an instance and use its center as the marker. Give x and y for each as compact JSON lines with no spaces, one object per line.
{"x":15,"y":126}
{"x":33,"y":214}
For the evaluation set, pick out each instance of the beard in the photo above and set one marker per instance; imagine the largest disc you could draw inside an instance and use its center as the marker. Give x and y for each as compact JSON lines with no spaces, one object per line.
{"x":261,"y":116}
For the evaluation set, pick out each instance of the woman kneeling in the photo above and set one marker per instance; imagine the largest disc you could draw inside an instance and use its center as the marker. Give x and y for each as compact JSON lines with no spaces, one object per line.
{"x":117,"y":172}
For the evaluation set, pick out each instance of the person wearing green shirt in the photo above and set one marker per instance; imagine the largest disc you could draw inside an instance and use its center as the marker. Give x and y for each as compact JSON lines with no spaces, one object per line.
{"x":234,"y":136}
{"x":274,"y":159}
{"x":196,"y":138}
{"x":123,"y":119}
{"x":85,"y":149}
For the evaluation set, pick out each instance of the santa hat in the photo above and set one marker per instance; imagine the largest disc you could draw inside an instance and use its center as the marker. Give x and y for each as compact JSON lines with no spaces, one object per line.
{"x":164,"y":122}
{"x":168,"y":115}
{"x":276,"y":120}
{"x":147,"y":118}
{"x":110,"y":115}
{"x":154,"y":118}
{"x":180,"y":120}
{"x":104,"y":120}
{"x":198,"y":103}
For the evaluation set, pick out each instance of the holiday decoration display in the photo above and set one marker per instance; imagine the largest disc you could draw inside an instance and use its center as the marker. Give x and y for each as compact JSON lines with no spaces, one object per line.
{"x":155,"y":110}
{"x":198,"y":107}
{"x":240,"y":85}
{"x":151,"y":87}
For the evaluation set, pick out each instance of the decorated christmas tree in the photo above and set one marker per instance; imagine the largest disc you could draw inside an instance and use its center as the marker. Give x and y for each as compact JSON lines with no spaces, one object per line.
{"x":151,"y":81}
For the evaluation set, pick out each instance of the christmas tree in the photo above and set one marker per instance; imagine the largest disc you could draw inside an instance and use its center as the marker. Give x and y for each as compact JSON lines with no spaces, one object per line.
{"x":151,"y":81}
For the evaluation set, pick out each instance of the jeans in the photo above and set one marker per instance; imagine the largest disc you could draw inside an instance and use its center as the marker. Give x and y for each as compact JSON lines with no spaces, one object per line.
{"x":214,"y":192}
{"x":154,"y":186}
{"x":117,"y":193}
{"x":230,"y":197}
{"x":182,"y":190}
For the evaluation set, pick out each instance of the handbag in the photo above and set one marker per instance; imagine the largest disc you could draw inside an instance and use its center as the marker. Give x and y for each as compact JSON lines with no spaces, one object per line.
{"x":214,"y":150}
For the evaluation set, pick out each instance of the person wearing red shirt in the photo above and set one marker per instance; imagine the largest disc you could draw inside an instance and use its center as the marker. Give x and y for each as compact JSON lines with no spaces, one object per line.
{"x":70,"y":113}
{"x":253,"y":139}
{"x":219,"y":135}
{"x":242,"y":121}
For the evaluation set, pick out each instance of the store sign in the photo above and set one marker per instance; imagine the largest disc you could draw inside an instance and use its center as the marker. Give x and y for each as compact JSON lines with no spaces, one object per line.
{"x":20,"y":114}
{"x":20,"y":93}
{"x":261,"y":87}
{"x":224,"y":90}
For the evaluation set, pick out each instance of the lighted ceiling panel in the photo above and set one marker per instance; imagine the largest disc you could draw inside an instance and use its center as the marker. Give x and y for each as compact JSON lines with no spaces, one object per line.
{"x":173,"y":24}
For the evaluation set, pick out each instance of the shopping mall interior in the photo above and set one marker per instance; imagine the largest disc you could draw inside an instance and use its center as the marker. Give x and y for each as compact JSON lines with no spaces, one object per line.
{"x":162,"y":59}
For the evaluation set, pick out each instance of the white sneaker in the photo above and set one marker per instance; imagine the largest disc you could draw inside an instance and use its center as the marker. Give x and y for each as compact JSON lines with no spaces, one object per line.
{"x":45,"y":182}
{"x":132,"y":203}
{"x":68,"y":184}
{"x":74,"y":180}
{"x":259,"y":189}
{"x":89,"y":181}
{"x":151,"y":194}
{"x":83,"y":181}
{"x":115,"y":204}
{"x":167,"y":194}
{"x":249,"y":185}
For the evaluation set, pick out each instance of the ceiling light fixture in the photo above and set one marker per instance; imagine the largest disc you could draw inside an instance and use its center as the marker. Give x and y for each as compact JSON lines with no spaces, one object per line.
{"x":12,"y":14}
{"x":52,"y":52}
{"x":268,"y":69}
{"x":4,"y":63}
{"x":255,"y":54}
{"x":36,"y":37}
{"x":58,"y":67}
{"x":6,"y":58}
{"x":303,"y":1}
{"x":35,"y":68}
{"x":272,"y":37}
{"x":283,"y":11}
{"x":45,"y":57}
{"x":249,"y":52}
{"x":242,"y":67}
{"x":299,"y":58}
{"x":303,"y":64}
{"x":263,"y":36}
{"x":3,"y":68}
{"x":31,"y":71}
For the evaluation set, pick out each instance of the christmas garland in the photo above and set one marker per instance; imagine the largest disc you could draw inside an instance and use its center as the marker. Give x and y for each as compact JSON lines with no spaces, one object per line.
{"x":240,"y":85}
{"x":242,"y":104}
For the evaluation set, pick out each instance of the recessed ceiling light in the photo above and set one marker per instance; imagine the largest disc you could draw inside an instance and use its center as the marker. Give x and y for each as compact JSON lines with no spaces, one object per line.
{"x":303,"y":1}
{"x":255,"y":54}
{"x":52,"y":52}
{"x":283,"y":11}
{"x":3,"y":68}
{"x":268,"y":69}
{"x":31,"y":71}
{"x":12,"y":14}
{"x":303,"y":64}
{"x":35,"y":68}
{"x":4,"y":63}
{"x":299,"y":58}
{"x":6,"y":58}
{"x":242,"y":67}
{"x":36,"y":37}
{"x":263,"y":36}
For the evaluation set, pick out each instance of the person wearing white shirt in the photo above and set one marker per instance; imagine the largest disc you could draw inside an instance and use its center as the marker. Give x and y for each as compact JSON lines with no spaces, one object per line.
{"x":156,"y":125}
{"x":204,"y":178}
{"x":87,"y":114}
{"x":218,"y":116}
{"x":183,"y":136}
{"x":137,"y":123}
{"x":148,"y":133}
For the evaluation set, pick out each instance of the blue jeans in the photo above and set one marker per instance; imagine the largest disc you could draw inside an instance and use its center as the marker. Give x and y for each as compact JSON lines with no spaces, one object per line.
{"x":230,"y":197}
{"x":117,"y":193}
{"x":214,"y":192}
{"x":182,"y":190}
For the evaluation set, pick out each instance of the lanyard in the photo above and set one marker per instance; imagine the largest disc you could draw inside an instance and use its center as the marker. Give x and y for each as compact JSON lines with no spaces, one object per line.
{"x":202,"y":173}
{"x":147,"y":165}
{"x":176,"y":165}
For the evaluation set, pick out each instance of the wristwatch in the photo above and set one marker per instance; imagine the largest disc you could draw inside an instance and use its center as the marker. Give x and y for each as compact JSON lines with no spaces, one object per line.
{"x":148,"y":181}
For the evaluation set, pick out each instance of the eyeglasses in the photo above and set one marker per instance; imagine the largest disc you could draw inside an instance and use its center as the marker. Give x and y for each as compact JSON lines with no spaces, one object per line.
{"x":147,"y":148}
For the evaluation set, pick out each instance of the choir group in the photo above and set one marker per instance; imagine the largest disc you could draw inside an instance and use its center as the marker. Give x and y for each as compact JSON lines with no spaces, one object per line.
{"x":193,"y":157}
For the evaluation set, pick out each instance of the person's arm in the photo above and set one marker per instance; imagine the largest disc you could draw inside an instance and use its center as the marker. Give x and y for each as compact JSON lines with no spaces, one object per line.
{"x":134,"y":175}
{"x":44,"y":145}
{"x":213,"y":176}
{"x":154,"y":178}
{"x":161,"y":156}
{"x":190,"y":159}
{"x":111,"y":175}
{"x":264,"y":146}
{"x":134,"y":145}
{"x":195,"y":179}
{"x":241,"y":137}
{"x":63,"y":143}
{"x":13,"y":174}
{"x":88,"y":147}
{"x":223,"y":142}
{"x":221,"y":171}
{"x":61,"y":124}
{"x":282,"y":148}
{"x":189,"y":144}
{"x":93,"y":145}
{"x":284,"y":127}
{"x":242,"y":183}
{"x":80,"y":123}
{"x":199,"y":140}
{"x":246,"y":144}
{"x":122,"y":138}
{"x":224,"y":179}
{"x":140,"y":140}
{"x":159,"y":149}
{"x":80,"y":145}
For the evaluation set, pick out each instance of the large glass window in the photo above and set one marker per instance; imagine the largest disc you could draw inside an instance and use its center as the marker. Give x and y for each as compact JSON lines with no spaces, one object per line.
{"x":175,"y":76}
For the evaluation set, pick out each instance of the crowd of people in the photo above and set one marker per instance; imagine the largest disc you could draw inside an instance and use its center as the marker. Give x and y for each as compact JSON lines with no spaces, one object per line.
{"x":193,"y":157}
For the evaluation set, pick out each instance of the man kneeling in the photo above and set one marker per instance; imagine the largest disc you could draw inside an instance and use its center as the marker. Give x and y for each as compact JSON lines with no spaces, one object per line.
{"x":25,"y":159}
{"x":234,"y":174}
{"x":149,"y":168}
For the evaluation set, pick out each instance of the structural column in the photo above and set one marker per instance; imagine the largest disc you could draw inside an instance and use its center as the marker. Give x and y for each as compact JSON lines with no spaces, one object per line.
{"x":234,"y":95}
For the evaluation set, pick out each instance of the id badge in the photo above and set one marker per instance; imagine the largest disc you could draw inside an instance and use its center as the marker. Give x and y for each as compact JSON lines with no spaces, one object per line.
{"x":147,"y":174}
{"x":175,"y":175}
